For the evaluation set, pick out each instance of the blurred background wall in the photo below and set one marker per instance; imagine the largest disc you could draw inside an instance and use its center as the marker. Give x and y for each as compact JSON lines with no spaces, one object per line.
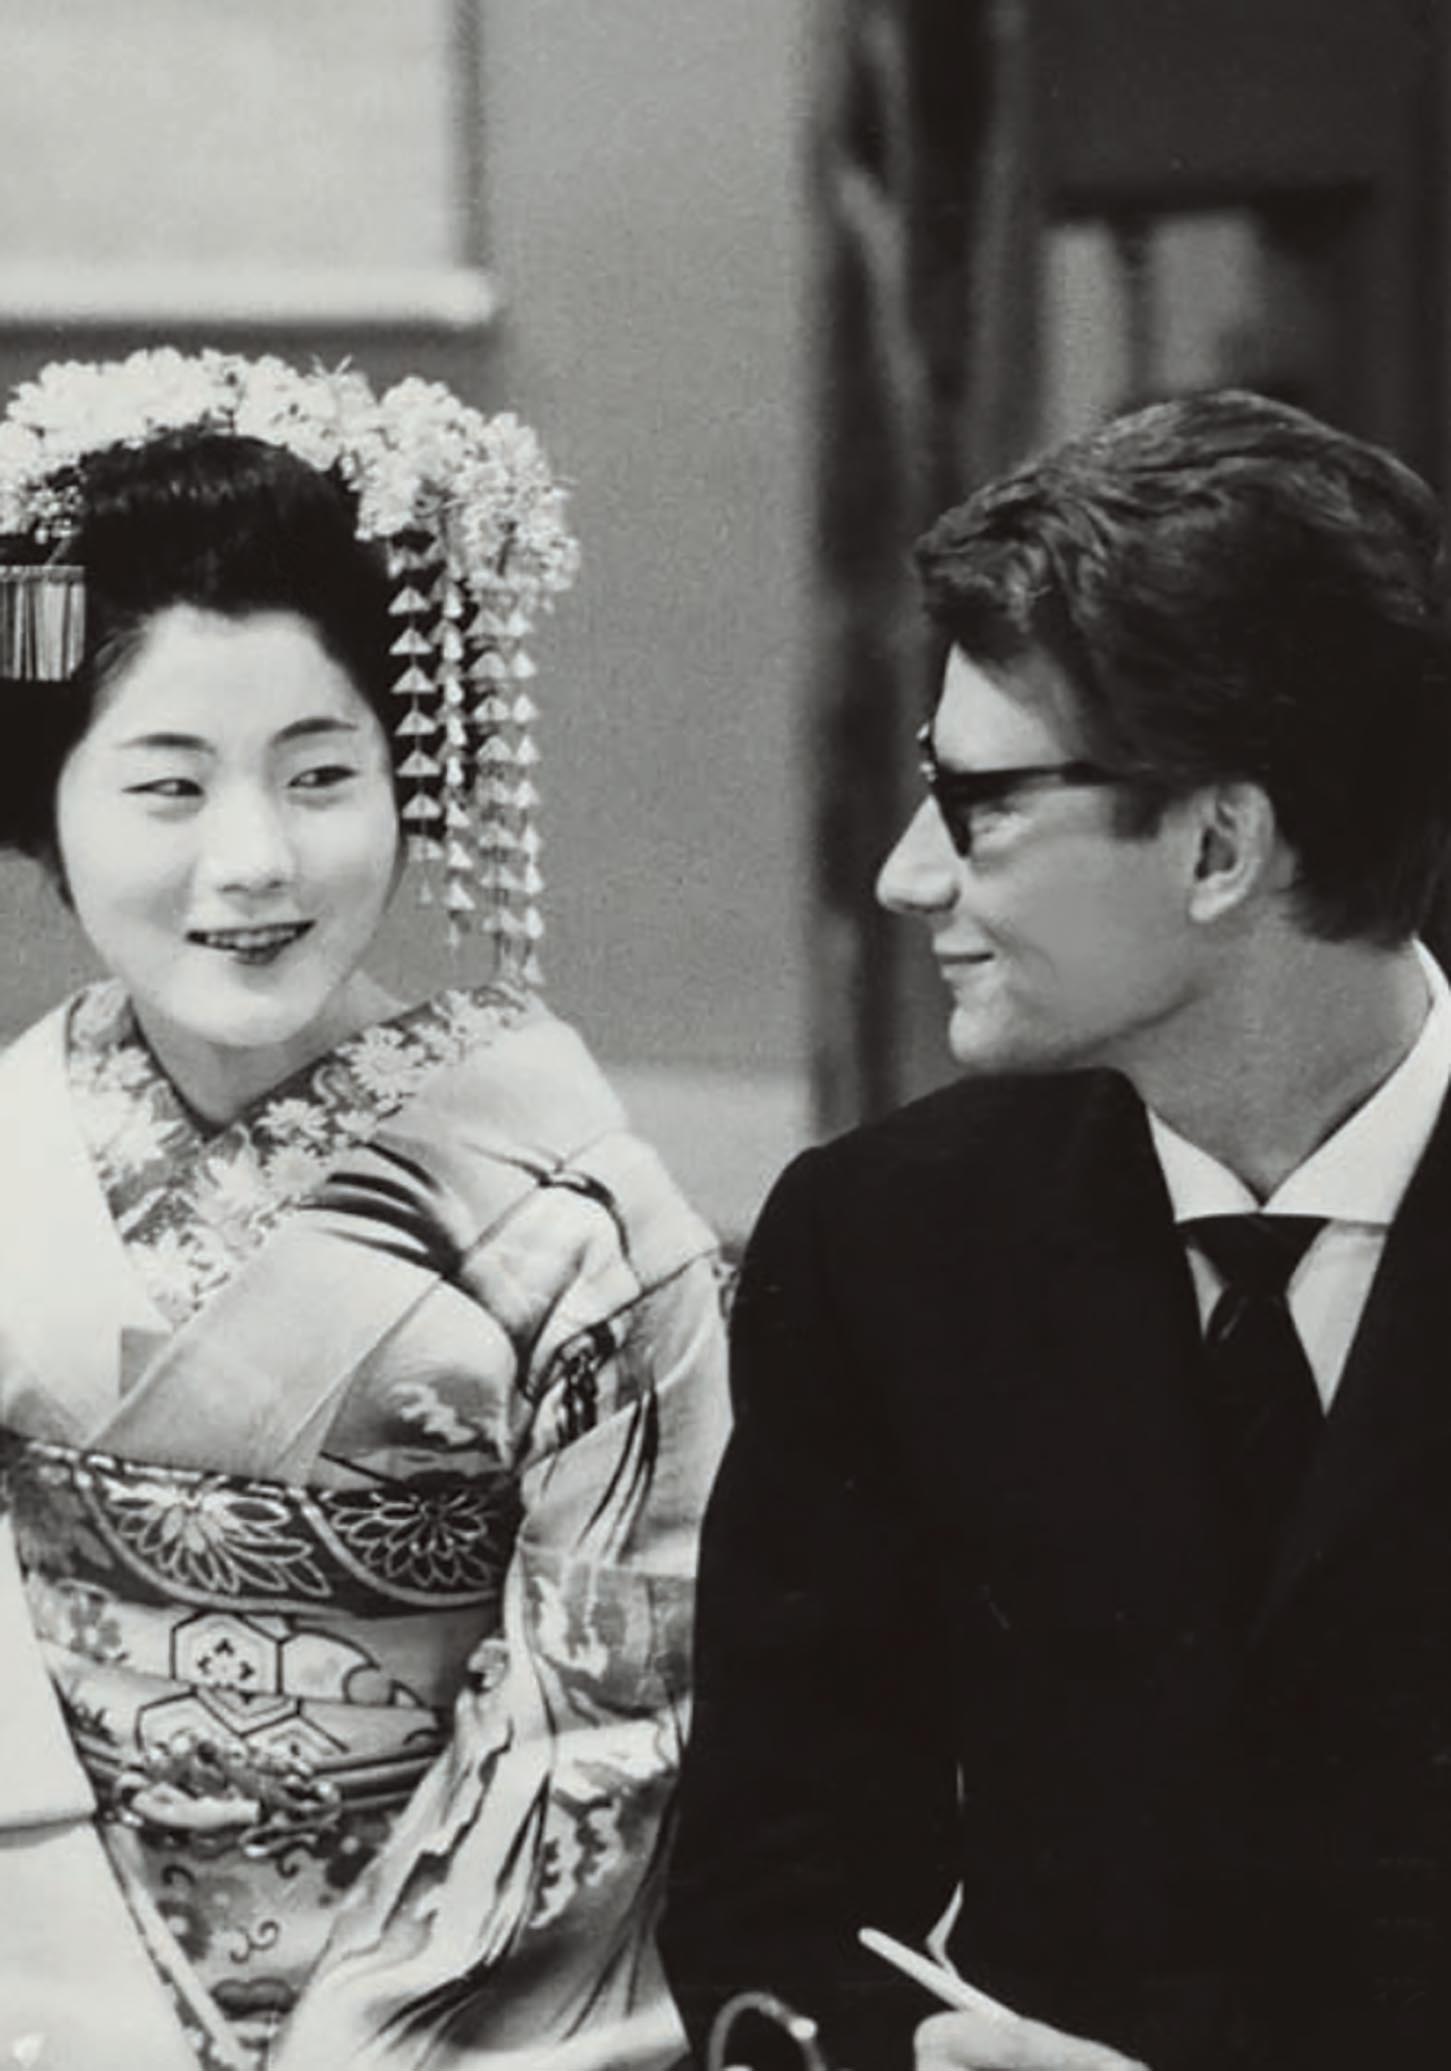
{"x":776,"y":280}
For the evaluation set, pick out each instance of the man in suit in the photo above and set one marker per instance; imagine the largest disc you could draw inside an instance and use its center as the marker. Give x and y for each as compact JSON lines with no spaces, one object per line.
{"x":1082,"y":1554}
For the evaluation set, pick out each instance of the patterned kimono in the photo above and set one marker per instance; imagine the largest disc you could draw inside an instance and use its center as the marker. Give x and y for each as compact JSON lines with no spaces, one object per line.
{"x":354,"y":1456}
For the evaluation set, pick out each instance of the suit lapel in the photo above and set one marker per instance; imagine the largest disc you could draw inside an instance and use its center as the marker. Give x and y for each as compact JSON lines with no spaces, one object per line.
{"x":1081,"y":1342}
{"x":1393,"y":1407}
{"x":1128,"y":1420}
{"x":1090,"y":1570}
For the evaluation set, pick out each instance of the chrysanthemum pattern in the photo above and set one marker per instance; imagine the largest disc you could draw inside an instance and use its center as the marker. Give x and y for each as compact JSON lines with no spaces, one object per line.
{"x":210,"y":1538}
{"x":226,"y":1540}
{"x":192,"y":1204}
{"x":437,"y":1536}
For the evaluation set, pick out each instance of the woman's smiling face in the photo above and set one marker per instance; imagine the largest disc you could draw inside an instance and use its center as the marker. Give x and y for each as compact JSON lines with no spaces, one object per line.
{"x":229,"y":839}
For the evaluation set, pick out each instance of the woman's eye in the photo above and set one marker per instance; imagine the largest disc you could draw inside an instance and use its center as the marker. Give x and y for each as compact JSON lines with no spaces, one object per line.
{"x":325,"y":777}
{"x":167,"y":787}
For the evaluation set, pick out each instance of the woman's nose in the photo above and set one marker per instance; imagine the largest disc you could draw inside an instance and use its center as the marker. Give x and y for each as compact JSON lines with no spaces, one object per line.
{"x":247,"y":847}
{"x":922,"y":874}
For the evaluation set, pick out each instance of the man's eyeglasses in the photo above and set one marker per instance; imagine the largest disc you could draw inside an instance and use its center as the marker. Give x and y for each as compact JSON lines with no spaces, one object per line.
{"x":959,"y":794}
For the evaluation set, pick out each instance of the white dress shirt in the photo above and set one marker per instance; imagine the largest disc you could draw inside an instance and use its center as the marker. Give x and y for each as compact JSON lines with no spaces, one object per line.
{"x":1355,"y":1180}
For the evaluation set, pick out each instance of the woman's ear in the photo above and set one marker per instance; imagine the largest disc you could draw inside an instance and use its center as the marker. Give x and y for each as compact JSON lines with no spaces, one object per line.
{"x":1239,"y":850}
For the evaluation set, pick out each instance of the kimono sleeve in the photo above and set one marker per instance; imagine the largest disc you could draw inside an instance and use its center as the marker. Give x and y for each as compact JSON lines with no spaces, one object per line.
{"x":519,"y":1907}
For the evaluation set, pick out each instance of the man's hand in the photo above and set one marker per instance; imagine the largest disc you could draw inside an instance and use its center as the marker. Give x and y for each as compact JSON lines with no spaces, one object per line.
{"x":986,"y":2042}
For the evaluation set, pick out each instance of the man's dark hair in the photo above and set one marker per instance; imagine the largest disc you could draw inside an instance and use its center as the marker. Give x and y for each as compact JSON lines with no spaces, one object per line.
{"x":224,"y":524}
{"x":1234,"y":590}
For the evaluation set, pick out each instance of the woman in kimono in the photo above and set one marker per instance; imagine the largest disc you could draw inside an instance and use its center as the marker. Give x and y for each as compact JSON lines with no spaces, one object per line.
{"x":359,"y":1372}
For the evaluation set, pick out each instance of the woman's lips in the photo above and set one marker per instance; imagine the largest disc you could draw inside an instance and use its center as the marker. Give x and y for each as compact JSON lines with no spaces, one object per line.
{"x":251,"y":945}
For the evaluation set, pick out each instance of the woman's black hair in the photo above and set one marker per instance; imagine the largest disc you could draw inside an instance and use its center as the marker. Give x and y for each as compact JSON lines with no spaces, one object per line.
{"x":225,"y":524}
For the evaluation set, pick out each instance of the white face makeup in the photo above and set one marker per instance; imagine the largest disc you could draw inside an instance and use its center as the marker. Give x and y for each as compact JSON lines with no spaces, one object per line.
{"x":229,"y":837}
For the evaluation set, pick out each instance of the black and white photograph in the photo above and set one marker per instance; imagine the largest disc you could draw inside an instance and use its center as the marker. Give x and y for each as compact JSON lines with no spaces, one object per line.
{"x":725,"y":1048}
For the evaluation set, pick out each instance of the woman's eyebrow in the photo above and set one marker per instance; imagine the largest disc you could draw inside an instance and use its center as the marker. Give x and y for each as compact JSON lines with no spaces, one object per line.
{"x":324,"y":723}
{"x":191,"y":742}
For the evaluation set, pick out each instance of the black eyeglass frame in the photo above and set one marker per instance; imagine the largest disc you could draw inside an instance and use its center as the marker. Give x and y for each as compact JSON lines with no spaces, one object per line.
{"x":958,"y":793}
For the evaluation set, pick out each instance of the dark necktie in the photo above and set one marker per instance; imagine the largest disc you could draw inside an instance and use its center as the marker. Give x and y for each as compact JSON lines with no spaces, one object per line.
{"x":1265,"y":1410}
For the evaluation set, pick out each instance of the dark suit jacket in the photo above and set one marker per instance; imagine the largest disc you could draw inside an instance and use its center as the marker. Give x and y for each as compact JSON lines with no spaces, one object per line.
{"x":963,"y":1617}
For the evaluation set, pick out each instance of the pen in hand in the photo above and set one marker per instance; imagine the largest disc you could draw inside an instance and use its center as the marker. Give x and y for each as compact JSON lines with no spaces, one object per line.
{"x":1021,"y":2041}
{"x":945,"y":1985}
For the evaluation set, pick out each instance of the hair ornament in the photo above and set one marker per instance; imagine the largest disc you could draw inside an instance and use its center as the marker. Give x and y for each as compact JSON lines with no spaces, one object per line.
{"x":472,"y":524}
{"x":42,"y":621}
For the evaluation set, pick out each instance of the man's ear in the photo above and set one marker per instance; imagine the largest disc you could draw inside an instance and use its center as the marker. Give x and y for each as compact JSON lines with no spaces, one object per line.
{"x":1238,"y":850}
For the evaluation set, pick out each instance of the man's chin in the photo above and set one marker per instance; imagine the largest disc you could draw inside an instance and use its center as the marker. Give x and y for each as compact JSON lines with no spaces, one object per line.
{"x":977,"y":1051}
{"x":980,"y":1052}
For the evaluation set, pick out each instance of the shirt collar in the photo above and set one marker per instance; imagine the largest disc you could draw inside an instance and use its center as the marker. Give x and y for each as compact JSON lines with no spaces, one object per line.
{"x":1360,"y":1173}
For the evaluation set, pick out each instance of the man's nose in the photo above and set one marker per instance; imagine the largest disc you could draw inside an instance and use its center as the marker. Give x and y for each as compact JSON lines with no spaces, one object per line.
{"x":247,"y":846}
{"x":923,"y":873}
